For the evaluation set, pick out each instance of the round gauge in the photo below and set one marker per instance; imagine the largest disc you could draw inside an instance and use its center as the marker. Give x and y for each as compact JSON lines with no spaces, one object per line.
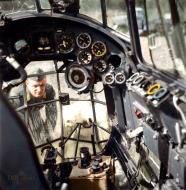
{"x":120,"y":77}
{"x":83,"y":40}
{"x":100,"y":66}
{"x":84,"y":57}
{"x":79,"y":78}
{"x":43,"y":43}
{"x":21,"y":46}
{"x":108,"y":78}
{"x":99,"y":49}
{"x":66,"y":44}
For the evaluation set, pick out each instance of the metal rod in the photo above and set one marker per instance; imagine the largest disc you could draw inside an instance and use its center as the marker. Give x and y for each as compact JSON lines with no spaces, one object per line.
{"x":104,"y":129}
{"x":80,"y":140}
{"x":88,"y":100}
{"x":67,"y":138}
{"x":52,"y":141}
{"x":77,"y":142}
{"x":95,"y":131}
{"x":93,"y":145}
{"x":38,"y":5}
{"x":104,"y":13}
{"x":46,"y":73}
{"x":25,"y":106}
{"x":103,"y":141}
{"x":60,"y":108}
{"x":25,"y":103}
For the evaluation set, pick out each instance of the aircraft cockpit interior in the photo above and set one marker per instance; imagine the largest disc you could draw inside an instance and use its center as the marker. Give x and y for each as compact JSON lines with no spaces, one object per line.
{"x":92,"y":94}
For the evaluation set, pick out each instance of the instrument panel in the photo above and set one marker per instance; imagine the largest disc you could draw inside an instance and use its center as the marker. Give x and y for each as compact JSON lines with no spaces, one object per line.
{"x":87,"y":49}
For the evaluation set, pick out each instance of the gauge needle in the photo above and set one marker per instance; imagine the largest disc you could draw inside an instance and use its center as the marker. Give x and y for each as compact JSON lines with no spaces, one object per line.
{"x":64,"y":44}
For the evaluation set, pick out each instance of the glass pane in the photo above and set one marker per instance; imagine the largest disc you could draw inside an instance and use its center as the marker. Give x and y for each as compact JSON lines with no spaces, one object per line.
{"x":180,"y":34}
{"x":91,"y":8}
{"x":35,"y":101}
{"x":117,"y":15}
{"x":10,"y":6}
{"x":165,"y":39}
{"x":45,"y":4}
{"x":140,"y":16}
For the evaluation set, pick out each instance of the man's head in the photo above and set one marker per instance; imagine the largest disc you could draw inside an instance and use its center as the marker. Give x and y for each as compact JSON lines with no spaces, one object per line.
{"x":36,"y":84}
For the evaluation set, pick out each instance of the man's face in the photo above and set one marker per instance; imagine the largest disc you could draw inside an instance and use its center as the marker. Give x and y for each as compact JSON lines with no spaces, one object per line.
{"x":36,"y":88}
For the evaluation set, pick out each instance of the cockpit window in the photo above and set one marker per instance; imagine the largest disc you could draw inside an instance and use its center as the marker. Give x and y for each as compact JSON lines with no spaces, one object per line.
{"x":117,"y":15}
{"x":166,"y":36}
{"x":45,"y":4}
{"x":91,"y":9}
{"x":11,"y":6}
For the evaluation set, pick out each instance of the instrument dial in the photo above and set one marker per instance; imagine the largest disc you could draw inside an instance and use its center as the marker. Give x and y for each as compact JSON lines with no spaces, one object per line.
{"x":84,"y":57}
{"x":100,"y":66}
{"x":99,"y":49}
{"x":120,"y":78}
{"x":79,"y":78}
{"x":83,"y":40}
{"x":66,"y":44}
{"x":43,"y":43}
{"x":21,"y":46}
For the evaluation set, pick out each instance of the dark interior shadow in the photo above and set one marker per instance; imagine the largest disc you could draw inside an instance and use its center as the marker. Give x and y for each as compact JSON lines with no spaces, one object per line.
{"x":19,"y":166}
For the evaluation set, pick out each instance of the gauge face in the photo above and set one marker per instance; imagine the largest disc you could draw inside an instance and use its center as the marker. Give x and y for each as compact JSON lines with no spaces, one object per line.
{"x":100,"y":66}
{"x":21,"y":46}
{"x":83,"y":40}
{"x":99,"y":49}
{"x":84,"y":57}
{"x":120,"y":78}
{"x":77,"y":77}
{"x":66,"y":44}
{"x":108,"y":78}
{"x":43,"y":43}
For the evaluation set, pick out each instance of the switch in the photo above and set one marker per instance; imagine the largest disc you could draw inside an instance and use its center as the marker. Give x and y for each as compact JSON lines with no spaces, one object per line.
{"x":138,"y":114}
